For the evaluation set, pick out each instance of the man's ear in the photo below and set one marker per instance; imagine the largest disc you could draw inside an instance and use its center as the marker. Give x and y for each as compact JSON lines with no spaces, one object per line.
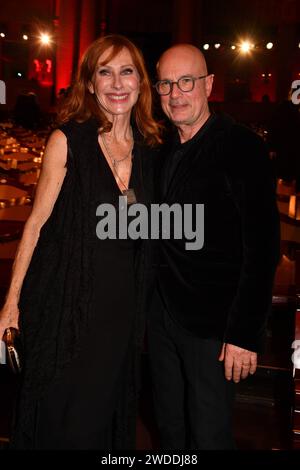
{"x":208,"y":84}
{"x":91,"y":88}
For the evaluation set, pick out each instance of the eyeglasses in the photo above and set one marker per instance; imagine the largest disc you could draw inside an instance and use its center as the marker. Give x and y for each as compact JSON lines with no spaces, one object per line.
{"x":185,"y":84}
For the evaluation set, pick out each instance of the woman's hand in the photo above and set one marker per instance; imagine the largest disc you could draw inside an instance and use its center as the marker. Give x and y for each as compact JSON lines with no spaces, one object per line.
{"x":9,"y":317}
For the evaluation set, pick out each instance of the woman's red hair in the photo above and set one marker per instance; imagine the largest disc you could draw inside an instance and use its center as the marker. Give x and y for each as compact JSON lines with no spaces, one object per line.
{"x":81,"y":105}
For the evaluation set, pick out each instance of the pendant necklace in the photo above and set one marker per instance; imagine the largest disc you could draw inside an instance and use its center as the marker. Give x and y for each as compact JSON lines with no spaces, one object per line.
{"x":127,"y":192}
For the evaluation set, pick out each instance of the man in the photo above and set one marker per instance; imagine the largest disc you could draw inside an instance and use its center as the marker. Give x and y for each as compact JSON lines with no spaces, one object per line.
{"x":209,"y":309}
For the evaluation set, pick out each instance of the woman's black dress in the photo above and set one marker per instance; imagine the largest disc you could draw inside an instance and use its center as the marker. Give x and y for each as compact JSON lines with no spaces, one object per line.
{"x":77,"y":410}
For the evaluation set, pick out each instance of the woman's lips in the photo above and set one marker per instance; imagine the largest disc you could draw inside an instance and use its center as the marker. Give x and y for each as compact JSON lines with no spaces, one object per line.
{"x":118,"y":98}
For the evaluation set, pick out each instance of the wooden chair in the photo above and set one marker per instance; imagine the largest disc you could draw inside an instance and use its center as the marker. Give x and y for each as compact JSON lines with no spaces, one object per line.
{"x":12,"y":196}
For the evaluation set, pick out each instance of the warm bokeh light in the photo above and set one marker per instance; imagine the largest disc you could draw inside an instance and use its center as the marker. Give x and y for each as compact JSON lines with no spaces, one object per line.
{"x":217,"y":45}
{"x":205,"y":47}
{"x":233,"y":47}
{"x":45,"y":38}
{"x":25,"y":37}
{"x":269,"y":45}
{"x":2,"y":35}
{"x":245,"y":47}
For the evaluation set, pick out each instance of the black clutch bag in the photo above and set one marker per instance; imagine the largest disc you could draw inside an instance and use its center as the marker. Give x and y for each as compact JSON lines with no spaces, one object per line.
{"x":13,"y":349}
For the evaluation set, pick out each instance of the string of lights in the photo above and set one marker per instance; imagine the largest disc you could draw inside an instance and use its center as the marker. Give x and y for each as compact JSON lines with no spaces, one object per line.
{"x":245,"y":46}
{"x":43,"y":37}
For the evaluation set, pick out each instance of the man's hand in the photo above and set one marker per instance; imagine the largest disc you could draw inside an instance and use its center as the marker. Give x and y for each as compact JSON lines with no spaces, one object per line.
{"x":238,"y":362}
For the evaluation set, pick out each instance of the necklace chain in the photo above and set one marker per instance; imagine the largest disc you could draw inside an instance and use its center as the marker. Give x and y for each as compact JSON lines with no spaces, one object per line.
{"x":114,"y":161}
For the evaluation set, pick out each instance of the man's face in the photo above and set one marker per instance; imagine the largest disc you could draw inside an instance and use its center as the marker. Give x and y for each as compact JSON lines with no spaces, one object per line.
{"x":185,"y":108}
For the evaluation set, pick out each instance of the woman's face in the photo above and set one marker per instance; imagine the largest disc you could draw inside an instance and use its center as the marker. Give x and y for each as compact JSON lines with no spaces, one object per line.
{"x":116,"y":84}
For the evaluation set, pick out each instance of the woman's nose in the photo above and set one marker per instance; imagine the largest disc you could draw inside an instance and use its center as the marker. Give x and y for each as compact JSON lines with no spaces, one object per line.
{"x":117,"y":81}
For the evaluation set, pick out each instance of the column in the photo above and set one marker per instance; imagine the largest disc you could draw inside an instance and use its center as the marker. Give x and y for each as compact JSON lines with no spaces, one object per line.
{"x":87,"y":25}
{"x":66,"y":28}
{"x":186,"y":20}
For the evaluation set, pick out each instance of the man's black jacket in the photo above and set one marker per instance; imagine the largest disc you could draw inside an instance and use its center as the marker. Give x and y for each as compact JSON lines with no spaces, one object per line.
{"x":223,"y":290}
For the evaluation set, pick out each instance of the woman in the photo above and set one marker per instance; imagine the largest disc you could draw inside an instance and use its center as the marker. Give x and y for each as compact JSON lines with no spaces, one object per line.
{"x":81,"y":319}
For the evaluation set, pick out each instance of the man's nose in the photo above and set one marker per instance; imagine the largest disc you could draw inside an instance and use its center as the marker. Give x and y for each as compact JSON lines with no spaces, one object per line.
{"x":175,"y":91}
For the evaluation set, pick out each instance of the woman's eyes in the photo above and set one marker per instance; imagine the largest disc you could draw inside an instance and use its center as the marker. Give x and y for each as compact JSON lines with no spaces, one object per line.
{"x":107,"y":73}
{"x":127,"y":71}
{"x":103,"y":72}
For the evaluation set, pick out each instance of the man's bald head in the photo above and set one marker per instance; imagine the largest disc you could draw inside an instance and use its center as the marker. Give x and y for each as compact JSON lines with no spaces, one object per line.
{"x":183,"y":53}
{"x":183,"y":65}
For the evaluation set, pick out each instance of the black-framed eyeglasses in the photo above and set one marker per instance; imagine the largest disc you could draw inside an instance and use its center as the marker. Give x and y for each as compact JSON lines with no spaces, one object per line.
{"x":185,"y":84}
